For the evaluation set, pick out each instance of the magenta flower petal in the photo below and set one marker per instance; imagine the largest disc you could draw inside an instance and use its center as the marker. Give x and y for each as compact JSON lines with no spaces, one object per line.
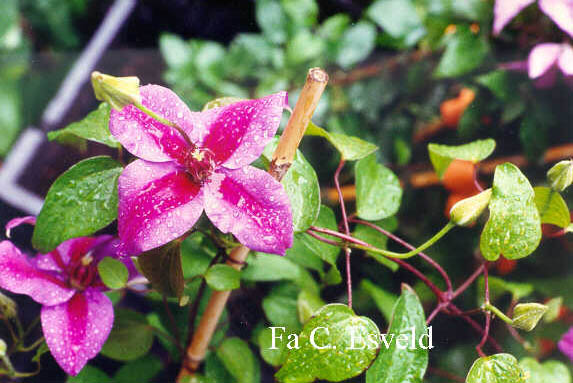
{"x":239,"y":132}
{"x":565,"y":61}
{"x":76,"y":330}
{"x":542,"y":57}
{"x":561,"y":12}
{"x":147,"y":138}
{"x":505,"y":10}
{"x":566,"y":344}
{"x":252,"y":205}
{"x":31,"y":220}
{"x":157,"y":203}
{"x":18,"y":275}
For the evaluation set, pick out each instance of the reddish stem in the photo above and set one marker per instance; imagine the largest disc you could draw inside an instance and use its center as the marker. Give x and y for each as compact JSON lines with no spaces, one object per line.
{"x":323,"y":239}
{"x":468,"y":282}
{"x":409,"y":246}
{"x":346,"y":230}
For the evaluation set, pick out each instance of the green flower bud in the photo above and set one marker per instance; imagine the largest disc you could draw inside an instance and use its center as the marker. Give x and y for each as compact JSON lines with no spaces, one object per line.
{"x":560,"y":176}
{"x":466,"y":211}
{"x":3,"y":348}
{"x":8,"y":307}
{"x":116,"y":91}
{"x":527,"y":315}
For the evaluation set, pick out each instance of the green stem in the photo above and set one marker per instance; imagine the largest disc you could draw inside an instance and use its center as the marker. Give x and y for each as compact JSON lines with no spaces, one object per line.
{"x":164,"y":121}
{"x":449,"y":226}
{"x":34,"y":345}
{"x":489,"y":307}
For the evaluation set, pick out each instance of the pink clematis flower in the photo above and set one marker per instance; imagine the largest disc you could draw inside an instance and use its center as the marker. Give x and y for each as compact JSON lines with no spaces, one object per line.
{"x":163,"y":194}
{"x":566,"y":344}
{"x":560,"y":11}
{"x":76,"y":316}
{"x":544,"y":63}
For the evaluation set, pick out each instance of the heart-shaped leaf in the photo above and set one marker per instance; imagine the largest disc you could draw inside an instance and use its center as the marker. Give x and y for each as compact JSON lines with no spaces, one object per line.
{"x":112,"y":272}
{"x":339,"y":352}
{"x":551,"y":206}
{"x":130,"y":338}
{"x":301,"y":185}
{"x":396,"y":364}
{"x":80,"y":202}
{"x":498,"y":368}
{"x":351,"y":148}
{"x":378,"y":191}
{"x":442,"y":155}
{"x":514,"y":227}
{"x":465,"y":51}
{"x":94,"y":127}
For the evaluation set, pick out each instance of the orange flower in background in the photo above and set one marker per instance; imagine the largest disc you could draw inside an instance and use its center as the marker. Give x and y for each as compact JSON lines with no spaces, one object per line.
{"x":453,"y":109}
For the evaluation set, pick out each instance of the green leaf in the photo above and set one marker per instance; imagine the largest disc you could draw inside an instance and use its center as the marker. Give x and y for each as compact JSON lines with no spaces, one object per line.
{"x":551,"y":371}
{"x":272,"y":20}
{"x":560,"y":175}
{"x":442,"y":155}
{"x":498,"y":83}
{"x":281,"y":307}
{"x":130,"y":338}
{"x":551,"y":206}
{"x":527,"y":315}
{"x":301,"y":185}
{"x":302,"y":13}
{"x":333,"y":28}
{"x":274,"y":356}
{"x":514,"y":227}
{"x":162,"y":267}
{"x":350,"y":148}
{"x":94,"y":127}
{"x":465,"y":52}
{"x":343,"y":334}
{"x":395,"y":364}
{"x":223,"y":277}
{"x":553,"y":309}
{"x":384,"y":300}
{"x":175,"y":51}
{"x":10,"y":114}
{"x":308,"y":302}
{"x":303,"y":47}
{"x":80,"y":202}
{"x":112,"y":272}
{"x":140,"y":370}
{"x":498,"y":368}
{"x":239,"y":360}
{"x":90,"y":374}
{"x":378,"y":191}
{"x":269,"y":267}
{"x":306,"y":246}
{"x":399,"y":19}
{"x":373,"y":237}
{"x":356,"y":44}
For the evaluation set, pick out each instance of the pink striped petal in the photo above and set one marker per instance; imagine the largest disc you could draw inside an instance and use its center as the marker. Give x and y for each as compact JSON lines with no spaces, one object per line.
{"x":239,"y":132}
{"x":18,"y":275}
{"x":561,"y":12}
{"x":157,"y":204}
{"x":252,"y":205}
{"x":566,"y":344}
{"x":147,"y":138}
{"x":542,"y":57}
{"x":566,"y":60}
{"x":505,"y":10}
{"x":76,"y":330}
{"x":30,"y":220}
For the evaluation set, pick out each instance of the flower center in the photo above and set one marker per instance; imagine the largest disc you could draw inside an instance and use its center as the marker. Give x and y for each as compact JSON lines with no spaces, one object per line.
{"x":83,"y":273}
{"x":200,"y":164}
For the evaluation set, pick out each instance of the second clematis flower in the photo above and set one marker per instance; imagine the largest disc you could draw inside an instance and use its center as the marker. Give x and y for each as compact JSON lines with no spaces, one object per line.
{"x":560,"y":11}
{"x":202,"y":164}
{"x":76,"y":315}
{"x":566,"y":344}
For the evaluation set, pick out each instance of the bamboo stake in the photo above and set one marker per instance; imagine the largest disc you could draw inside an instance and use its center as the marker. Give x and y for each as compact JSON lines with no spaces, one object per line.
{"x":284,"y":154}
